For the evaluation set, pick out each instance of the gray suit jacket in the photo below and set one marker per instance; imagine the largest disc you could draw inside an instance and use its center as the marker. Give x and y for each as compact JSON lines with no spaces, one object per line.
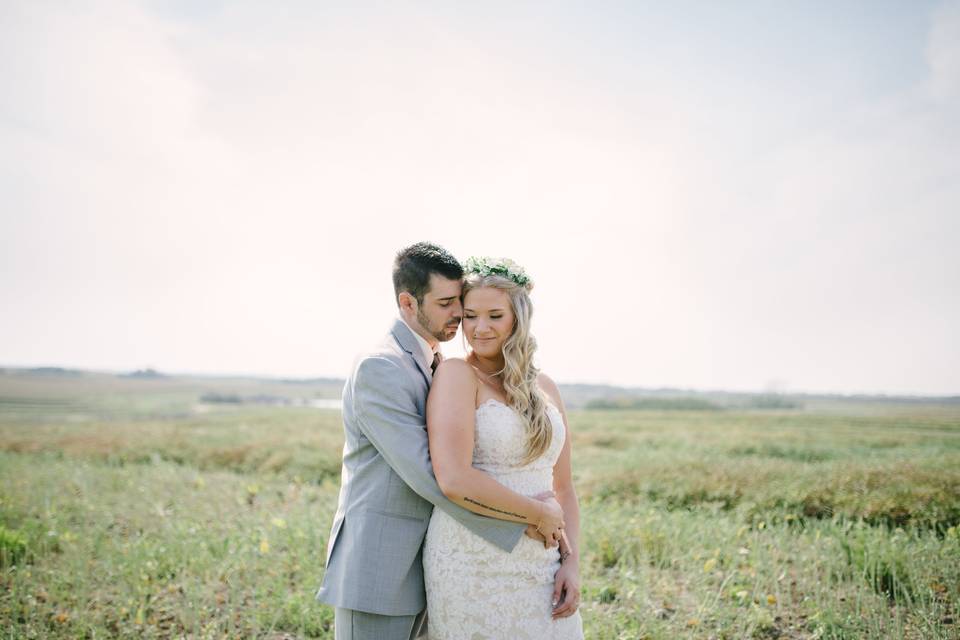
{"x":387,"y":487}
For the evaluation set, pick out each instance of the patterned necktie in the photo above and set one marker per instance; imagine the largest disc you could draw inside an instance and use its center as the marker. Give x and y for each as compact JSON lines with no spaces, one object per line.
{"x":436,"y":361}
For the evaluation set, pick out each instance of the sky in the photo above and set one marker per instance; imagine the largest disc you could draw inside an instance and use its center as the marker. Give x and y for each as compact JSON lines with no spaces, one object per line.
{"x":744,"y":196}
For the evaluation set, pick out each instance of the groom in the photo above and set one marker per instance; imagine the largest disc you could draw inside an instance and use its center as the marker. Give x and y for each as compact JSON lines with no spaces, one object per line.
{"x":374,"y":575}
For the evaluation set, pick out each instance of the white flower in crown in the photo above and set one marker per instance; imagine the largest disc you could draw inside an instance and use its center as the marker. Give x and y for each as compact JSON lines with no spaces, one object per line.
{"x":504,"y":267}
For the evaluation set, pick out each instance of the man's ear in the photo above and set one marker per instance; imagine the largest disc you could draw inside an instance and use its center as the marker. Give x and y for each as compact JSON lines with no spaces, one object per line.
{"x":407,"y":301}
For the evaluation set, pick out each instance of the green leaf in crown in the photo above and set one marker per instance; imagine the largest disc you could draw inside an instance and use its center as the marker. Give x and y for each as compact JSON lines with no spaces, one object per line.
{"x":504,"y":267}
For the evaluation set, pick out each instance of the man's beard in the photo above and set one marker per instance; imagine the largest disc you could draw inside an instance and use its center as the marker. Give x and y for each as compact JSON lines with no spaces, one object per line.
{"x":425,"y":323}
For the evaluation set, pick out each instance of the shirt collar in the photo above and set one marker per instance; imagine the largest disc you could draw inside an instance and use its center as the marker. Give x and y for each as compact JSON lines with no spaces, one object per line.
{"x":428,"y":351}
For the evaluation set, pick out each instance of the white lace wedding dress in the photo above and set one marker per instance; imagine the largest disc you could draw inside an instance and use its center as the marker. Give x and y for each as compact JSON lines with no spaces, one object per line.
{"x":476,"y":591}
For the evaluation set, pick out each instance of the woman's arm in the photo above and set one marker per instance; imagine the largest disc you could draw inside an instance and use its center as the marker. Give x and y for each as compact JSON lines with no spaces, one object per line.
{"x":566,"y":589}
{"x":451,"y":409}
{"x":384,"y":407}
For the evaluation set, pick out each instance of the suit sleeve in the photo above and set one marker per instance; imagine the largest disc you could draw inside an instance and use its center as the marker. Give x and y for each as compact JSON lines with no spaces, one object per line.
{"x":393,"y":425}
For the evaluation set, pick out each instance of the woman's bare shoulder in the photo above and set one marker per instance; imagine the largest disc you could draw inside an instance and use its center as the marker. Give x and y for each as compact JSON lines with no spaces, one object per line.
{"x":549,"y":387}
{"x":454,"y":363}
{"x":454,"y":374}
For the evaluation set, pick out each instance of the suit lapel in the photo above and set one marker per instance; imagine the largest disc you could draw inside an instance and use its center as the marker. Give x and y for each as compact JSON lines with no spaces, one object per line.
{"x":404,"y":337}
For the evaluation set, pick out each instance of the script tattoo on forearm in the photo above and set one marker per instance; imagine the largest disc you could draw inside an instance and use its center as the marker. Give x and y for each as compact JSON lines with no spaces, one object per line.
{"x":508,"y":513}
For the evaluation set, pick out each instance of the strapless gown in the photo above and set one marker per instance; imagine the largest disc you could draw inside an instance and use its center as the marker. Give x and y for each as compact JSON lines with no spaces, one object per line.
{"x":476,"y":591}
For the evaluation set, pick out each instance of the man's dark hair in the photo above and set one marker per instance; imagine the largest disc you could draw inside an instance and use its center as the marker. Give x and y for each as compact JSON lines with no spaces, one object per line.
{"x":413,"y":266}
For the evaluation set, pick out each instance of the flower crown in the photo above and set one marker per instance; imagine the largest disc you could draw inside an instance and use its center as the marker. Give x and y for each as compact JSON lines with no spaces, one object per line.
{"x":503,"y":267}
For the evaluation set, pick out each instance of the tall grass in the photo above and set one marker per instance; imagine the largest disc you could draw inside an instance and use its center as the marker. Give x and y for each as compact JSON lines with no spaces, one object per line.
{"x":129,"y":519}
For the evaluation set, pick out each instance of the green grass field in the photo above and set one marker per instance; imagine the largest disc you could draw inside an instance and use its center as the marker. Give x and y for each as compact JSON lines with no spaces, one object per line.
{"x":129,"y":508}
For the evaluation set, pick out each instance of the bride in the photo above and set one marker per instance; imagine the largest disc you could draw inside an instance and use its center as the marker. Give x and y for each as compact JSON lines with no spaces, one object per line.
{"x":493,"y":415}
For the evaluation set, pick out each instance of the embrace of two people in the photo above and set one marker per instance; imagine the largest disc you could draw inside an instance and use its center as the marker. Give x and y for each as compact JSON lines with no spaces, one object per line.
{"x":457,"y":516}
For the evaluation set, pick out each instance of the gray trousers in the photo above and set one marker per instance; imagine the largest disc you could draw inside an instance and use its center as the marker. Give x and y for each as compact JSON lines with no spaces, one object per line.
{"x":359,"y":625}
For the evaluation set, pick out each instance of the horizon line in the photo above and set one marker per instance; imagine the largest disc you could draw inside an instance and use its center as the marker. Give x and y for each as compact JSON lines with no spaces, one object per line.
{"x":333,"y":378}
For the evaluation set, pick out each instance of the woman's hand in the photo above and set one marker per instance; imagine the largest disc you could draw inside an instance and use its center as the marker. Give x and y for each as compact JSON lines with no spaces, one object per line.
{"x":566,"y":589}
{"x":550,"y":524}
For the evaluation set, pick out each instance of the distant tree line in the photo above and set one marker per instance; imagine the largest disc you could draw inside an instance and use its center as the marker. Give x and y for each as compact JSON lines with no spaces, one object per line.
{"x":655,"y":404}
{"x":232,"y":398}
{"x":690,"y":403}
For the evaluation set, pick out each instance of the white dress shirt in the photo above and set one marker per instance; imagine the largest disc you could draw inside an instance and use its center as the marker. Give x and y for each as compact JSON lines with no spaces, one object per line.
{"x":428,"y":351}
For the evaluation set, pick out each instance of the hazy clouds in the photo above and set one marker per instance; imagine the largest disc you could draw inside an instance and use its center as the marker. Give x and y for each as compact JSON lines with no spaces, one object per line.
{"x":707,"y":197}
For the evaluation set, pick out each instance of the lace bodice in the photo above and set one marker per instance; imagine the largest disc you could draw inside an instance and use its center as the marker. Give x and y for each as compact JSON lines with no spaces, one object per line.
{"x":500,"y":444}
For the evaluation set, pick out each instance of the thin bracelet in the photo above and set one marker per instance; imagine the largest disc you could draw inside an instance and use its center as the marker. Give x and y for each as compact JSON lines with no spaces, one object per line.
{"x":565,"y":554}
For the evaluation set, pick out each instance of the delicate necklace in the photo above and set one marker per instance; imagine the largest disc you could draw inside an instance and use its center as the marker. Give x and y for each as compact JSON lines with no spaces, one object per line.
{"x":490,"y":377}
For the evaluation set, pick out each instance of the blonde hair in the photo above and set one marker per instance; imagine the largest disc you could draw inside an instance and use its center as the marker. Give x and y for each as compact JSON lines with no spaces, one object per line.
{"x":519,"y":373}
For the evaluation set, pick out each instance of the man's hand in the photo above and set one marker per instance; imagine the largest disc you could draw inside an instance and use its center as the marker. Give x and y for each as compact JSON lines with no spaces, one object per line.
{"x":532,"y":532}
